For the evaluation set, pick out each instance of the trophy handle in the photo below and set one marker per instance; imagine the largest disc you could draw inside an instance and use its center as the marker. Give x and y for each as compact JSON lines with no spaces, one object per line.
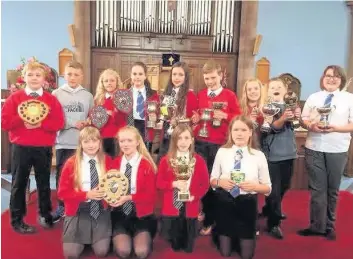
{"x":277,"y":111}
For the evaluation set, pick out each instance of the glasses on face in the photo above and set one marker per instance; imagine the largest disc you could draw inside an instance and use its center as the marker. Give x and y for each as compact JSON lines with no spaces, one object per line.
{"x":329,"y":77}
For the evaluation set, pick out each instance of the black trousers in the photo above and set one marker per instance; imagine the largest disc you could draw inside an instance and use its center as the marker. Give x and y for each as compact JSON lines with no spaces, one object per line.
{"x":141,"y":127}
{"x":61,"y":156}
{"x":208,"y":151}
{"x":281,"y":174}
{"x":23,"y":158}
{"x":110,"y":147}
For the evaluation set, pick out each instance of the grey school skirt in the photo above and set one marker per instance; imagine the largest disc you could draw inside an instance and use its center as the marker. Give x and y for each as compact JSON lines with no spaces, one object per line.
{"x":83,"y":229}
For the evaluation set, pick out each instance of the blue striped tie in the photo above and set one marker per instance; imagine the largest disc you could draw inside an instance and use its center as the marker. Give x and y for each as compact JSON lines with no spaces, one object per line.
{"x":128,"y":206}
{"x":327,"y":104}
{"x":140,"y":107}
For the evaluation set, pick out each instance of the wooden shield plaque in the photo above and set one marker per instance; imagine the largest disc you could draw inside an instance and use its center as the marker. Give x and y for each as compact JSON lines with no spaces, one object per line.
{"x":123,"y":100}
{"x":33,"y":111}
{"x":115,"y":184}
{"x":99,"y":116}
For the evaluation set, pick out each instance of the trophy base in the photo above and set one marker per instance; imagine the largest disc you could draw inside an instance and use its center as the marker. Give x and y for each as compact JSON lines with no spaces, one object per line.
{"x":266,"y":129}
{"x":151,"y":124}
{"x":295,"y":124}
{"x":183,"y":196}
{"x":216,"y":123}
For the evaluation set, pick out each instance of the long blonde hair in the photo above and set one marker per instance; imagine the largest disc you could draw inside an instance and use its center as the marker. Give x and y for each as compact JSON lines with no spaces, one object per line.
{"x":173,"y":146}
{"x":100,"y":91}
{"x":249,"y":124}
{"x":87,"y":133}
{"x":244,"y":97}
{"x":141,"y":148}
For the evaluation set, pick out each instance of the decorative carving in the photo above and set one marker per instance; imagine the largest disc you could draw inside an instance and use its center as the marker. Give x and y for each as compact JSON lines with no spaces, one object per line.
{"x":65,"y":56}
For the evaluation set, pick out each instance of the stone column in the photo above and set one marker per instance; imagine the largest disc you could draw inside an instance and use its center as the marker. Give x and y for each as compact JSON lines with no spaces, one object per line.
{"x":82,"y":22}
{"x":349,"y":169}
{"x":246,"y":59}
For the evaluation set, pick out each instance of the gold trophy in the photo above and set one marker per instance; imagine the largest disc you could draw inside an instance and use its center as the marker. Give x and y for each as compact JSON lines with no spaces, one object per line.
{"x":291,"y":101}
{"x":183,"y":170}
{"x":205,"y":117}
{"x":33,"y":111}
{"x":217,"y":106}
{"x":269,"y":110}
{"x":151,"y":114}
{"x":115,"y":184}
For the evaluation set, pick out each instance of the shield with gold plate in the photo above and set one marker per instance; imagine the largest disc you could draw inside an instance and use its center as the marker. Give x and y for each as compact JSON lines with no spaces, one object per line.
{"x":33,"y":111}
{"x":114,"y":184}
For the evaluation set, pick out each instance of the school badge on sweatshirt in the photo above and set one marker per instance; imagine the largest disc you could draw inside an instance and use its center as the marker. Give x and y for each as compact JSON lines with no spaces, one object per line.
{"x":99,"y":116}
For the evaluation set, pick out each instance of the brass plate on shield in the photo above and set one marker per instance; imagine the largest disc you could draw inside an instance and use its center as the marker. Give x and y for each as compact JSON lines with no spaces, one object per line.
{"x":33,"y":111}
{"x":115,"y":184}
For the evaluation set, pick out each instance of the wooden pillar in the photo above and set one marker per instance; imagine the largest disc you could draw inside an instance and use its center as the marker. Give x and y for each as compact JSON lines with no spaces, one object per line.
{"x":82,"y":22}
{"x":349,"y":168}
{"x":246,"y":59}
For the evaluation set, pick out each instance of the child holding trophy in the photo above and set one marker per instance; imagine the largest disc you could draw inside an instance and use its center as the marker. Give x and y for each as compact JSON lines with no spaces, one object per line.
{"x":87,"y":219}
{"x":280,"y":148}
{"x":185,"y":106}
{"x":105,"y":115}
{"x":134,"y":223}
{"x":140,"y":117}
{"x":183,"y":179}
{"x":217,"y":106}
{"x":251,"y":103}
{"x":326,"y":148}
{"x":32,"y":117}
{"x":239,"y":173}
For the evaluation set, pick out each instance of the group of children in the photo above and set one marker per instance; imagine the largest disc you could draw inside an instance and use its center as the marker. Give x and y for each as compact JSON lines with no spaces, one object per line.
{"x":228,"y":170}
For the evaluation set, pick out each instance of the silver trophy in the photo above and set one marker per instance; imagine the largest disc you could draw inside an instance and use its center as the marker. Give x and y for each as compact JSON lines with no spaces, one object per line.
{"x":324,"y":114}
{"x":255,"y":111}
{"x":152,"y":114}
{"x":269,"y":110}
{"x":205,"y":117}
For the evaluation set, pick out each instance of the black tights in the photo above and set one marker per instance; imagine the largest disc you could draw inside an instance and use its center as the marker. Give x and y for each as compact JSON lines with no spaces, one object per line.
{"x":247,"y":247}
{"x":74,"y":250}
{"x":141,"y":244}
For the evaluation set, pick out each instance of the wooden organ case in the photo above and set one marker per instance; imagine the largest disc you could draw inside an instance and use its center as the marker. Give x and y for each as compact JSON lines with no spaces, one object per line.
{"x":123,"y":32}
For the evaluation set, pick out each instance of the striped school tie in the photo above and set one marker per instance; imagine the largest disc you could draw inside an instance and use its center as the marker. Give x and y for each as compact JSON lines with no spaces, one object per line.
{"x":140,"y":107}
{"x":237,"y":163}
{"x":327,"y":104}
{"x":95,"y":206}
{"x":177,"y":204}
{"x":212,"y":95}
{"x":34,"y":95}
{"x":128,"y":206}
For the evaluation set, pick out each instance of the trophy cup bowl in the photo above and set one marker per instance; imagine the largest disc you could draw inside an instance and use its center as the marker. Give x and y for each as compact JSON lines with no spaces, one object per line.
{"x":152,"y":114}
{"x":183,"y":172}
{"x":205,"y":116}
{"x":114,"y":184}
{"x":324,"y":113}
{"x":269,"y":110}
{"x":217,"y":106}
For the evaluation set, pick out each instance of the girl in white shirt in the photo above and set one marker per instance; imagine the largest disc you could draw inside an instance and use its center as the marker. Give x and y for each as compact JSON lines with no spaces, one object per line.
{"x":239,"y":173}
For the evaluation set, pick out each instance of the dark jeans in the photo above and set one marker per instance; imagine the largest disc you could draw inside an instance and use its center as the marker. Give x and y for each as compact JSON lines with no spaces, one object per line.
{"x":325,"y":172}
{"x":208,"y":151}
{"x":23,"y":158}
{"x":61,"y":156}
{"x":281,"y":174}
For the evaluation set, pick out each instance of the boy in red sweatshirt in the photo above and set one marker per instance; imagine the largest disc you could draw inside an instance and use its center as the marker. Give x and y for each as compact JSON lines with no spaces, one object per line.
{"x":31,"y":146}
{"x":207,"y":146}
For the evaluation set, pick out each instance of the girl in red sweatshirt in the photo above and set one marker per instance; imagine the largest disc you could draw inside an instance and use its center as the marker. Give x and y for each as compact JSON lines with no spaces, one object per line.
{"x":179,"y":216}
{"x":87,"y":220}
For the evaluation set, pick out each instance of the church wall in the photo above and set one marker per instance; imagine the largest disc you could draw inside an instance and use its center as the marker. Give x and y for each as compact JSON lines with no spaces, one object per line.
{"x":33,"y":28}
{"x":303,"y":38}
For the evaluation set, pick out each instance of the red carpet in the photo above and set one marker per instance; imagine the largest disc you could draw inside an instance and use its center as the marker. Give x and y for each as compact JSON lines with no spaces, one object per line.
{"x":46,"y":243}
